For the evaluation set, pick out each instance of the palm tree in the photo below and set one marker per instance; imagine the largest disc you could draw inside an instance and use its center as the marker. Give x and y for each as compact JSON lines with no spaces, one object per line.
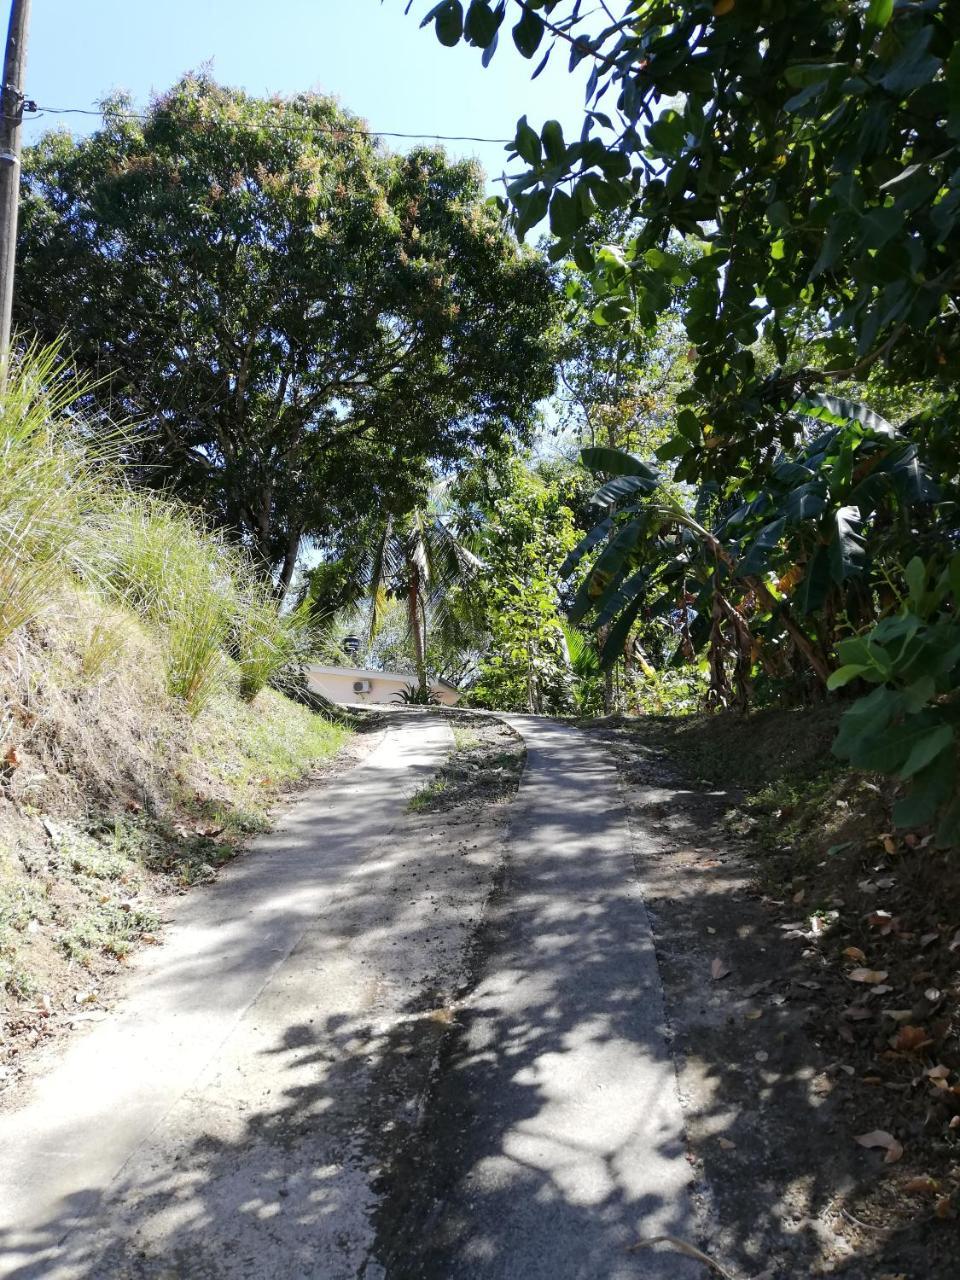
{"x":416,"y":557}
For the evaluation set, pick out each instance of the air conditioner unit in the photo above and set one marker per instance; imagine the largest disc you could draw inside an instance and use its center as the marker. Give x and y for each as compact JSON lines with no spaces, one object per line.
{"x":362,"y":686}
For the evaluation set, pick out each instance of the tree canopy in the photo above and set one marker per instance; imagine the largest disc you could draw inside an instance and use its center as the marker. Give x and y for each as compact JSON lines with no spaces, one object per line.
{"x":812,"y":151}
{"x":301,"y":325}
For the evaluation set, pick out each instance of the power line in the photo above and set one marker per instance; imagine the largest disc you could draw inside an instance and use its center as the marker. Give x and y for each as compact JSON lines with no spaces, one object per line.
{"x":38,"y":110}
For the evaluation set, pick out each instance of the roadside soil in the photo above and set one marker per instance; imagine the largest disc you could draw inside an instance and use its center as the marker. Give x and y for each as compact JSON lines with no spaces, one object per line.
{"x":483,"y":769}
{"x":144,"y":864}
{"x":810,"y":964}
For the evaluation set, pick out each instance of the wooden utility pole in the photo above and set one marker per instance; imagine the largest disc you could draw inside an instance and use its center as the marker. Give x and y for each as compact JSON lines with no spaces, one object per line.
{"x":11,"y":118}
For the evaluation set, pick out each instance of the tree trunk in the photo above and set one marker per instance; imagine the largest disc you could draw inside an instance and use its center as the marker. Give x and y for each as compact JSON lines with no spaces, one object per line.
{"x":416,"y":625}
{"x":289,"y":563}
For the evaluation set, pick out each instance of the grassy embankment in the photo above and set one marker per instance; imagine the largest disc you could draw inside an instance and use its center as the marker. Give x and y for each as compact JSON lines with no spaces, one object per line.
{"x":140,"y":740}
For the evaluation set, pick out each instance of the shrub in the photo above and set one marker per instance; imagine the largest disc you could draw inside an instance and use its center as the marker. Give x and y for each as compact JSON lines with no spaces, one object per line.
{"x":155,"y":556}
{"x":271,"y":647}
{"x":49,"y":475}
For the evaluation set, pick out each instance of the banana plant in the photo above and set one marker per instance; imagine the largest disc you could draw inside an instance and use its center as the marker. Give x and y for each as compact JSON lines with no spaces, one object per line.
{"x":656,"y":557}
{"x":809,"y":521}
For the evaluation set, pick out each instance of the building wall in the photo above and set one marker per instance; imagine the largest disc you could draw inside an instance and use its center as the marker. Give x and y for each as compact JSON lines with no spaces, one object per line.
{"x":338,"y":686}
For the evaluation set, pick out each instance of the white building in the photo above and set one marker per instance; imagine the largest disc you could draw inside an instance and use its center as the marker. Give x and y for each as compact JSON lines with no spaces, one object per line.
{"x":358,"y":684}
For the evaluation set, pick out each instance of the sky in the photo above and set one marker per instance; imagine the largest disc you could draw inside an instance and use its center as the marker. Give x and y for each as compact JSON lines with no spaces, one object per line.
{"x":371,"y":55}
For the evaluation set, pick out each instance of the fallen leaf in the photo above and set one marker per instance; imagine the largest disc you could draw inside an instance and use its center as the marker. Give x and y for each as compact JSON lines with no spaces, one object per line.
{"x":928,"y":938}
{"x":799,"y":896}
{"x":910,"y":1039}
{"x":889,"y":844}
{"x":879,"y":1138}
{"x":944,"y":1208}
{"x":933,"y":995}
{"x":857,"y":1013}
{"x":870,"y":976}
{"x":726,"y":1144}
{"x":881,"y":920}
{"x":719,"y":970}
{"x":939,"y":1072}
{"x":920,"y":1186}
{"x":954,"y":945}
{"x":11,"y":758}
{"x":854,"y":953}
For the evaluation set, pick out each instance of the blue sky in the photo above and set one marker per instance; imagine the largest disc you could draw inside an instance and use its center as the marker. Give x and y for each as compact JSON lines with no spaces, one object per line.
{"x":375,"y":59}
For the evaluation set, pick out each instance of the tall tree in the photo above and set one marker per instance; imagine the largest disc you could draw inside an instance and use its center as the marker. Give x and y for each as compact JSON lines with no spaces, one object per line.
{"x":812,"y":151}
{"x":302,"y":325}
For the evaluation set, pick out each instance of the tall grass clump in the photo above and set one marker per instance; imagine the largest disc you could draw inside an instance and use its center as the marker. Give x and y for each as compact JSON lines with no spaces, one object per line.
{"x":271,"y":647}
{"x":156,"y":557}
{"x":201,"y":593}
{"x":51,"y":471}
{"x":67,"y":516}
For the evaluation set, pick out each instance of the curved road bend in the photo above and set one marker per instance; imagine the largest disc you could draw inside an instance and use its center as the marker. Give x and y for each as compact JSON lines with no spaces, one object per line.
{"x":379,"y":1049}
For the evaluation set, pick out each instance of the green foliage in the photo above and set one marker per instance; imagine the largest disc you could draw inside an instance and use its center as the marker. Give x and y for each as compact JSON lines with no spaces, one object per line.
{"x":417,"y":695}
{"x":415,"y":558}
{"x":67,"y":516}
{"x":49,"y":478}
{"x":811,"y":154}
{"x":522,"y":522}
{"x":301,"y":324}
{"x":907,"y":725}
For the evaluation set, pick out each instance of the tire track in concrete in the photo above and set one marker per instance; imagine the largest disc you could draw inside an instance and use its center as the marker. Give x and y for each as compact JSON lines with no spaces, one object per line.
{"x":554,"y":1137}
{"x":215,"y":1023}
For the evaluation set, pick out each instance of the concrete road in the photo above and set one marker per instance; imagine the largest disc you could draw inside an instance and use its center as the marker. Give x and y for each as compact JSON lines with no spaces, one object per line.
{"x":378,"y":1047}
{"x":554,"y":1137}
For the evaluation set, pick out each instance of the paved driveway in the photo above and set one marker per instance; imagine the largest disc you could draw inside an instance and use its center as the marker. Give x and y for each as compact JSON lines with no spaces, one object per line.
{"x":377,"y":1047}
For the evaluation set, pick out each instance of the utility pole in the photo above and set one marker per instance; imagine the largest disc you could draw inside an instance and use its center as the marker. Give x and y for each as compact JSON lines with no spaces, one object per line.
{"x":11,"y":118}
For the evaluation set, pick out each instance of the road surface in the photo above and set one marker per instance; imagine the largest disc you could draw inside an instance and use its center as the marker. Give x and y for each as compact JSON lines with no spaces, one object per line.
{"x":378,"y":1047}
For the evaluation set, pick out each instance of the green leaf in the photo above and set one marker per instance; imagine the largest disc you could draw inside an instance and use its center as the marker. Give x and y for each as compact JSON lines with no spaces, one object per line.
{"x":622,"y":487}
{"x":553,"y":143}
{"x":848,"y":552}
{"x":916,"y":578}
{"x":623,"y":596}
{"x":614,"y":462}
{"x":833,"y":409}
{"x":597,"y":534}
{"x":811,"y":591}
{"x":688,"y":424}
{"x":843,"y":675}
{"x":761,"y":549}
{"x":527,"y":142}
{"x":801,"y":74}
{"x":868,"y":717}
{"x":879,"y":14}
{"x":481,"y":23}
{"x":528,"y":33}
{"x":805,"y":502}
{"x":930,"y":789}
{"x":927,"y":748}
{"x":566,"y":217}
{"x":891,"y":751}
{"x":913,"y":67}
{"x":448,"y":21}
{"x":618,"y":633}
